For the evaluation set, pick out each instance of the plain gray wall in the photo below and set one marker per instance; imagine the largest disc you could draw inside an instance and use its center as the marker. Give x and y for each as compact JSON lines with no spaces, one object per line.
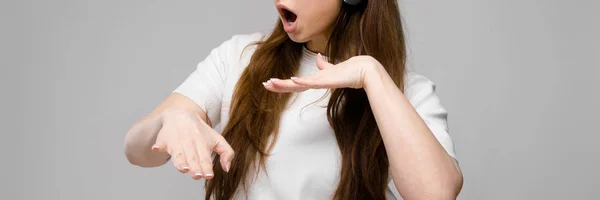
{"x":519,"y":78}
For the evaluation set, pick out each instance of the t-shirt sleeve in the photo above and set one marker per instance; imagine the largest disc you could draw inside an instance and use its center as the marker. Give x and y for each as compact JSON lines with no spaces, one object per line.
{"x":420,"y":91}
{"x":205,"y":85}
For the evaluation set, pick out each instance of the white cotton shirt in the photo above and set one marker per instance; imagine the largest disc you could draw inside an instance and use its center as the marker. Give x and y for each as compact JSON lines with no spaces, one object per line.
{"x":305,"y":162}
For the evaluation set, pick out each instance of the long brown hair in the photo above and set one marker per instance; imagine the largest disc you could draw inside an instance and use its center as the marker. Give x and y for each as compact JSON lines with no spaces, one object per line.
{"x":371,"y":28}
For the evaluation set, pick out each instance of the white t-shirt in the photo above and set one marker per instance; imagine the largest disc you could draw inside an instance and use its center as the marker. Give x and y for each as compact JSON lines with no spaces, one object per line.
{"x":305,"y":161}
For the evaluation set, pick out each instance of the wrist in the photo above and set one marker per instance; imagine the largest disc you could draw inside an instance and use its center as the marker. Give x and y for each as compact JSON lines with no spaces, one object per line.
{"x":373,"y":75}
{"x":178,"y":115}
{"x":170,"y":113}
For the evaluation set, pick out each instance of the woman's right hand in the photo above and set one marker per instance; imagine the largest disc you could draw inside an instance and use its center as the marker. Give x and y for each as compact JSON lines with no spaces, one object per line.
{"x":190,"y":141}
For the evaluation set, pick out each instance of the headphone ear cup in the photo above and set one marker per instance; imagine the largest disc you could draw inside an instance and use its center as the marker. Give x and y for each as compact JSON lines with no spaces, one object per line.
{"x":352,"y":2}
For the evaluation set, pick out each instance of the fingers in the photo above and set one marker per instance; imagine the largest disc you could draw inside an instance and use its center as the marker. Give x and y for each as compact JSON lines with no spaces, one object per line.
{"x":225,"y":152}
{"x":192,"y":159}
{"x":291,"y":85}
{"x":192,"y":155}
{"x":205,"y":160}
{"x":295,"y":84}
{"x":316,"y":81}
{"x":191,"y":144}
{"x":322,"y":63}
{"x":178,"y":158}
{"x":277,"y":85}
{"x":159,"y":147}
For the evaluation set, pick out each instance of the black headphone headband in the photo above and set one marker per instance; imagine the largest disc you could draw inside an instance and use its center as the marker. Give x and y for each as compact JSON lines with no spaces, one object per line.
{"x":352,"y":2}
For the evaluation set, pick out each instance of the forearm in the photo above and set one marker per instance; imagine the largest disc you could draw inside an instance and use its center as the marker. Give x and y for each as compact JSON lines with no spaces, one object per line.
{"x":420,"y":166}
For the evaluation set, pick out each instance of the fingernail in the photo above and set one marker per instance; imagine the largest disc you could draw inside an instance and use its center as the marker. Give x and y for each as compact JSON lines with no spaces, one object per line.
{"x":227,"y":170}
{"x":198,"y":174}
{"x":209,"y":175}
{"x":319,"y":54}
{"x":185,"y":168}
{"x":264,"y":83}
{"x":269,"y":82}
{"x":322,"y":58}
{"x":155,"y":147}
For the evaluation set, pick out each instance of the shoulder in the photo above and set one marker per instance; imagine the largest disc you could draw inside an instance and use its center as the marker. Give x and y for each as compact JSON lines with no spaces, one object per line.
{"x":417,"y":85}
{"x":236,"y":44}
{"x":238,"y":49}
{"x":241,"y":40}
{"x":421,"y":93}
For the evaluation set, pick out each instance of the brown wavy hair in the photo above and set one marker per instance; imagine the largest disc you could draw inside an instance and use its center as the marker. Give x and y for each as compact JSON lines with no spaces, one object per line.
{"x":371,"y":28}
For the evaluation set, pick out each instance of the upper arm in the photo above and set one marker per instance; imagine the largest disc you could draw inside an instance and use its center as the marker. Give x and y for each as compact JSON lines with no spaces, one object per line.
{"x":207,"y":83}
{"x":202,"y":90}
{"x":420,"y":91}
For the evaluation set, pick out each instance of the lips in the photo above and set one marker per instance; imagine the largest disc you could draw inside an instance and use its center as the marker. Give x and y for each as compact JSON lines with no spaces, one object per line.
{"x":288,"y":18}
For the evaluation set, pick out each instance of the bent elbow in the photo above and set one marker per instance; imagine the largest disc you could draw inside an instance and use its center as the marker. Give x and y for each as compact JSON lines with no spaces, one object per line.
{"x":454,"y":186}
{"x":434,"y":195}
{"x":449,"y":191}
{"x":143,"y":161}
{"x":131,"y":157}
{"x":452,"y":190}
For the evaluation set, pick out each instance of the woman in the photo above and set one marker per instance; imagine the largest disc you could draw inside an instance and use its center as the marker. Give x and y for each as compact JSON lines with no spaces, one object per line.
{"x":266,"y":116}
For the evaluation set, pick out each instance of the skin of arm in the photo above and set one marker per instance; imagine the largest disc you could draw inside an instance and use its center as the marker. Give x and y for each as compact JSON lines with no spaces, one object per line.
{"x":142,"y":135}
{"x":420,"y":166}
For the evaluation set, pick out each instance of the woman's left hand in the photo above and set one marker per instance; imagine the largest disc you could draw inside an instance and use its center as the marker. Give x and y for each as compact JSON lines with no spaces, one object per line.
{"x":348,"y":74}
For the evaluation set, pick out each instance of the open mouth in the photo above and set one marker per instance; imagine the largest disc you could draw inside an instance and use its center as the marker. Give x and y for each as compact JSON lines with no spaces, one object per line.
{"x":289,"y":16}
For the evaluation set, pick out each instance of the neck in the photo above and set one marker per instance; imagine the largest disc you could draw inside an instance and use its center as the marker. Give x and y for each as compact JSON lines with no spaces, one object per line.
{"x":317,"y":44}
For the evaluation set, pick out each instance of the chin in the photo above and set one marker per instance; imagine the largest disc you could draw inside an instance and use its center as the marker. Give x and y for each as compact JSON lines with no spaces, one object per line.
{"x":298,"y":38}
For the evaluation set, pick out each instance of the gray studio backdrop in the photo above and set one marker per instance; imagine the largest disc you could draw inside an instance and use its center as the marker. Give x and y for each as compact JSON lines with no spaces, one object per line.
{"x":519,"y":78}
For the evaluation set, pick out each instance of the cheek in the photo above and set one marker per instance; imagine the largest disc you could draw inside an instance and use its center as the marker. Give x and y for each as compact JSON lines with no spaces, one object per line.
{"x":320,"y":17}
